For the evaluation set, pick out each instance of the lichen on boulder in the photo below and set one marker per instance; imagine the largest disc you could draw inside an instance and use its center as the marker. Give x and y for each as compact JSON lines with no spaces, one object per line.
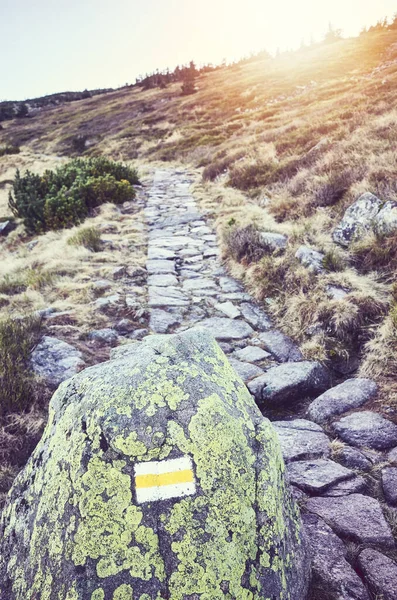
{"x":156,"y":477}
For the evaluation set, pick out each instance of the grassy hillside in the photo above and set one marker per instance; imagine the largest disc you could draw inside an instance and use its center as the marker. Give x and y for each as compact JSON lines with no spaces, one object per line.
{"x":282,"y":144}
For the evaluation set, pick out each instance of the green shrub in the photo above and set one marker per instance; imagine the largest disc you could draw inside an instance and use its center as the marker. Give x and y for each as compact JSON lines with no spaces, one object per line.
{"x":63,"y":198}
{"x":18,"y":338}
{"x":9,"y":150}
{"x":88,"y":237}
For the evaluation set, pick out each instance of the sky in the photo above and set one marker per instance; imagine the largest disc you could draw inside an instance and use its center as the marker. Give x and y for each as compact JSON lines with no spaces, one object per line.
{"x":49,"y":46}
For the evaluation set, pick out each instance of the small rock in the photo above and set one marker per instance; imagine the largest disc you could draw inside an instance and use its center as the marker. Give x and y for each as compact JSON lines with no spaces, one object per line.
{"x":55,"y":360}
{"x":226,"y":348}
{"x":162,"y":280}
{"x":251,"y":354}
{"x":310,"y":258}
{"x":392,"y":456}
{"x":389,"y":485}
{"x":255,"y":316}
{"x":106,"y":304}
{"x":106,"y":336}
{"x":336,"y":293}
{"x":301,"y":440}
{"x":380,"y":573}
{"x":290,"y":382}
{"x":355,"y":485}
{"x":160,"y":266}
{"x":358,"y":220}
{"x":101,"y":285}
{"x":367,"y":429}
{"x":161,"y":320}
{"x":227,"y":329}
{"x":274,"y":241}
{"x":246,"y":370}
{"x":124,"y":326}
{"x":330,"y":569}
{"x":229,"y":309}
{"x":354,"y":517}
{"x":386,"y":219}
{"x":6,"y":227}
{"x":315,"y":476}
{"x":353,"y":459}
{"x":119,"y":272}
{"x":139,"y":334}
{"x":350,"y":394}
{"x":281,"y":346}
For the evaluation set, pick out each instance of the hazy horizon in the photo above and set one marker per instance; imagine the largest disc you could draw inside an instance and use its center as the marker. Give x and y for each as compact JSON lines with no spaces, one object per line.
{"x":101,"y":44}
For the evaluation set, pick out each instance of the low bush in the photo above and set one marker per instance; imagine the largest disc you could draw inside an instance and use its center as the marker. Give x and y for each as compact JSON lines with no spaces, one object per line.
{"x":245,"y":244}
{"x":88,"y":237}
{"x":18,"y":338}
{"x":376,"y":252}
{"x":64,"y":197}
{"x":4,"y":150}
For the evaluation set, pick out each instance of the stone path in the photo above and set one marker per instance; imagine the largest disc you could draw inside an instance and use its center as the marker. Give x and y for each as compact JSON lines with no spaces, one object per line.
{"x":347,"y":490}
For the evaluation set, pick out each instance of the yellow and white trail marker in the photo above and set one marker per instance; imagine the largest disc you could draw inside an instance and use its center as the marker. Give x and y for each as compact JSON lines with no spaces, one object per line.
{"x":161,"y":480}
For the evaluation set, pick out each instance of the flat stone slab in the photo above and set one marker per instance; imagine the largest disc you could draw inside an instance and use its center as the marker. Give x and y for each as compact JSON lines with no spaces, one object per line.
{"x":300,"y":439}
{"x":228,"y":284}
{"x":246,"y":370}
{"x":155,"y":253}
{"x":199,"y":284}
{"x":160,"y":266}
{"x":315,"y":476}
{"x":354,"y":517}
{"x":255,"y":316}
{"x":290,"y":382}
{"x":380,"y":572}
{"x":160,"y":320}
{"x":350,"y":394}
{"x":389,"y":485}
{"x":162,"y":280}
{"x":227,"y":329}
{"x":281,"y":346}
{"x":168,"y":296}
{"x":229,"y":309}
{"x":367,"y":429}
{"x":251,"y":354}
{"x":330,"y":569}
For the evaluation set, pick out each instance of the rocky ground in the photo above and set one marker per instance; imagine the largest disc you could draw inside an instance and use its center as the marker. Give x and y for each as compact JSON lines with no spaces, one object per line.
{"x":341,"y":456}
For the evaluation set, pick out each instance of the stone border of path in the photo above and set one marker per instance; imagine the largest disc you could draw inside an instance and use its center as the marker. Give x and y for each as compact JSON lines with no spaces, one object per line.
{"x":189,"y":287}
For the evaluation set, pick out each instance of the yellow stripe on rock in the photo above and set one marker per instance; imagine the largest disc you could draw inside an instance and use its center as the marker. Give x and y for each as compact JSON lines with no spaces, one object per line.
{"x":165,"y":479}
{"x":146,"y":481}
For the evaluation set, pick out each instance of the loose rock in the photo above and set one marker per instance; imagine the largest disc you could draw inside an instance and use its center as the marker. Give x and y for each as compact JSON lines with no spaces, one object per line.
{"x":315,"y":476}
{"x":55,"y":360}
{"x":380,"y":572}
{"x":350,"y":394}
{"x":290,"y":382}
{"x":301,"y":439}
{"x":281,"y":346}
{"x":354,"y":517}
{"x":331,"y":572}
{"x":389,"y":485}
{"x":367,"y":429}
{"x":358,"y":220}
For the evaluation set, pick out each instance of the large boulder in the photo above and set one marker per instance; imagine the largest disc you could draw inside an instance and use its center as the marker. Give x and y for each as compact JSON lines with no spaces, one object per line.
{"x":358,"y":220}
{"x":156,"y":477}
